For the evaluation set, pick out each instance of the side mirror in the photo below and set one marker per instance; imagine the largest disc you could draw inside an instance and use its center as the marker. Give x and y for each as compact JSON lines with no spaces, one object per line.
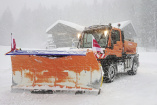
{"x":78,"y":45}
{"x":112,"y":45}
{"x":122,"y":33}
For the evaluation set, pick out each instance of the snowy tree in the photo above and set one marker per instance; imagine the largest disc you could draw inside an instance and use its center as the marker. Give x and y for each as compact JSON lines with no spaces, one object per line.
{"x":23,"y":28}
{"x":147,"y":25}
{"x":6,"y":27}
{"x":31,"y":24}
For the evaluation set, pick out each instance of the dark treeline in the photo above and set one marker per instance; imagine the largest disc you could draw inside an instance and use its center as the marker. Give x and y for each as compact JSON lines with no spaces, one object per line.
{"x":29,"y":29}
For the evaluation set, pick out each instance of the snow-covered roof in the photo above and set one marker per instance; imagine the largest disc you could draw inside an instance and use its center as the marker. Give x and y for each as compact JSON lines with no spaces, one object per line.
{"x":126,"y":30}
{"x":70,"y":24}
{"x":122,"y":24}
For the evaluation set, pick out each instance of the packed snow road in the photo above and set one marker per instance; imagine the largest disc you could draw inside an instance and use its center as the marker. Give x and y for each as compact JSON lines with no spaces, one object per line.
{"x":140,"y":89}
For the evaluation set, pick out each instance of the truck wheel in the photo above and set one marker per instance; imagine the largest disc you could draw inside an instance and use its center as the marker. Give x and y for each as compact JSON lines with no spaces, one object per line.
{"x":109,"y":73}
{"x":133,"y":71}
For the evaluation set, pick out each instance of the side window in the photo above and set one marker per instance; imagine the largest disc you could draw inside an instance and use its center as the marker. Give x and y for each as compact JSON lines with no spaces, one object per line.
{"x":87,"y":40}
{"x":115,"y":36}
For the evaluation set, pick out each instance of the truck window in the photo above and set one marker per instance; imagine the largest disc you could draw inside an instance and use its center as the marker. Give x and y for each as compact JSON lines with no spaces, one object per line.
{"x":87,"y":40}
{"x":99,"y":37}
{"x":115,"y":36}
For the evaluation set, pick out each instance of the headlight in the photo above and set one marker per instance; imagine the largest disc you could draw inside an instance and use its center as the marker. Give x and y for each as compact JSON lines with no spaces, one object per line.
{"x":105,"y":33}
{"x":78,"y":35}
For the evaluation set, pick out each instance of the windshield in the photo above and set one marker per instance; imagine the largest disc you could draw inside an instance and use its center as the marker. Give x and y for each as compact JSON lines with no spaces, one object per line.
{"x":98,"y":35}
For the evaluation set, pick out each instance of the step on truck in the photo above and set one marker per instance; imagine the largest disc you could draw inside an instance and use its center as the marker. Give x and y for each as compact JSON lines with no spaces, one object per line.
{"x":117,"y":55}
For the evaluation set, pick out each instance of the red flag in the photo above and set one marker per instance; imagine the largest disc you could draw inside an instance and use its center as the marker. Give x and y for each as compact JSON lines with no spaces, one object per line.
{"x":13,"y":44}
{"x":95,"y":45}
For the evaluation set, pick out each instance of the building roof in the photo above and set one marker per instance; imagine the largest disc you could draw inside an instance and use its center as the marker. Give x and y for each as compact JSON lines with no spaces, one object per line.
{"x":122,"y":24}
{"x":70,"y":24}
{"x":126,"y":26}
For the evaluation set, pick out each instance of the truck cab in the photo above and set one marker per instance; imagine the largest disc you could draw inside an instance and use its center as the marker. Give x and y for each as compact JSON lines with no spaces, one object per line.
{"x":120,"y":55}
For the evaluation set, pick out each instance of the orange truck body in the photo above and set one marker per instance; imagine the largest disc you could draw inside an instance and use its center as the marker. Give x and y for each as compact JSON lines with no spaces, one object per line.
{"x":128,"y":47}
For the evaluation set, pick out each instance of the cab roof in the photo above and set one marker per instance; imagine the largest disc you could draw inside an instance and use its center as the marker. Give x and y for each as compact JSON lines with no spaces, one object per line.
{"x":97,"y":27}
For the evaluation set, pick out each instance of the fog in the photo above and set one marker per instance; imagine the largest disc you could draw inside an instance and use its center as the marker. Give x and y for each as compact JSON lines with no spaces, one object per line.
{"x":29,"y":19}
{"x":17,"y":5}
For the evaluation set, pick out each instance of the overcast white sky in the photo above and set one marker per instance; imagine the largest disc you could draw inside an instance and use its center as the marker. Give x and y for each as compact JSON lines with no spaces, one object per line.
{"x":16,"y":5}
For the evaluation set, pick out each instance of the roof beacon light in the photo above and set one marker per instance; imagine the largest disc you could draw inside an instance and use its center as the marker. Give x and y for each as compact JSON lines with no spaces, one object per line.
{"x":119,"y":25}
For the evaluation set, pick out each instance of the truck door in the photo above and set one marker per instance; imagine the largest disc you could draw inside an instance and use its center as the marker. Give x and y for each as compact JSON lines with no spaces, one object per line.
{"x":116,"y":42}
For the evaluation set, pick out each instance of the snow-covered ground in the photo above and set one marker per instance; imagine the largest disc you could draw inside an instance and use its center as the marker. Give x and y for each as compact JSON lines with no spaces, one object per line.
{"x":140,"y":89}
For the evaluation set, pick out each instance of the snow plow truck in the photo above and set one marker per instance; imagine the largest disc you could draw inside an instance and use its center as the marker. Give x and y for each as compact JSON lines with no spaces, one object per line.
{"x":102,"y":53}
{"x":115,"y":54}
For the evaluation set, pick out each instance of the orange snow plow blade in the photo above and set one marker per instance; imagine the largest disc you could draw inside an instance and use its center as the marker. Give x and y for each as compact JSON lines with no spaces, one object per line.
{"x":56,"y":73}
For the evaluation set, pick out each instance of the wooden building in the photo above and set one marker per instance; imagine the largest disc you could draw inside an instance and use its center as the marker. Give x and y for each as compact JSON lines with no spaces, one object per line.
{"x":63,"y":34}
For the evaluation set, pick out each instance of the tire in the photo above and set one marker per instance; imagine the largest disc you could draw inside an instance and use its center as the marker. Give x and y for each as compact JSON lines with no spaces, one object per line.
{"x":133,"y":71}
{"x":109,"y":73}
